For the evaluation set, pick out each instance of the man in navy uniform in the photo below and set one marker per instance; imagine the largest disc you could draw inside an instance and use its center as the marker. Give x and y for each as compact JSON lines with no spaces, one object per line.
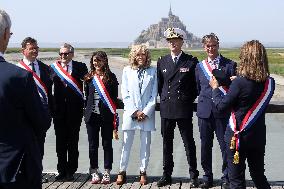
{"x":23,"y":121}
{"x":41,"y":75}
{"x":177,"y":90}
{"x":209,"y":119}
{"x":67,"y":76}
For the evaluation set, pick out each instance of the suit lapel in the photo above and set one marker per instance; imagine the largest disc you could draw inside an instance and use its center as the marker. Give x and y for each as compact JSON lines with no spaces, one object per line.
{"x":146,"y":80}
{"x":180,"y":64}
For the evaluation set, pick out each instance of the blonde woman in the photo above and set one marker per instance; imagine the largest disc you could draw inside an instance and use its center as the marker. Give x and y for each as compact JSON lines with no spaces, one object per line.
{"x":139,"y":92}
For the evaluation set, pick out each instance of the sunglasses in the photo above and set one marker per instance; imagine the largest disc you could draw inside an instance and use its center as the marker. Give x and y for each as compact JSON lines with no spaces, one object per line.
{"x":65,"y":54}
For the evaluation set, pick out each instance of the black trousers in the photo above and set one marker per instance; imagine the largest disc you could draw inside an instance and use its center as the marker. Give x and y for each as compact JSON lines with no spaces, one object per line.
{"x":207,"y":127}
{"x":95,"y":124}
{"x":186,"y":131}
{"x":255,"y":158}
{"x":67,"y":137}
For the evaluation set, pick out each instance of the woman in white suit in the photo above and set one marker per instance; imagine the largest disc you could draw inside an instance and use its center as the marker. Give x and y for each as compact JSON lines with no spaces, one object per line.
{"x":139,"y":93}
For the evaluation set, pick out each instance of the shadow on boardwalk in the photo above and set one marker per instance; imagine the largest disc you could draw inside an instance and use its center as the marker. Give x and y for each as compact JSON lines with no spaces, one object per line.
{"x":82,"y":181}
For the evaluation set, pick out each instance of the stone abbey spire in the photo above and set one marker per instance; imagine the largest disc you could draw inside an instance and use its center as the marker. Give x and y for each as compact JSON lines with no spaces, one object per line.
{"x":153,"y":37}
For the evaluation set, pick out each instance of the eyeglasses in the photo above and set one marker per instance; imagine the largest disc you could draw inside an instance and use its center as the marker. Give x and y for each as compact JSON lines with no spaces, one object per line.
{"x":65,"y":54}
{"x":11,"y":33}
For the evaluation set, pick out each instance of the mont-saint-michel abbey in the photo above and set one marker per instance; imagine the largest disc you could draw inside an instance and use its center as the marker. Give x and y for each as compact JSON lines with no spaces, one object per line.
{"x":153,"y":37}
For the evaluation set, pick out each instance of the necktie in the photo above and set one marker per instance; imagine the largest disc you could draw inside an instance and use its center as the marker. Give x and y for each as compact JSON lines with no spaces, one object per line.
{"x":175,"y":60}
{"x":33,"y":67}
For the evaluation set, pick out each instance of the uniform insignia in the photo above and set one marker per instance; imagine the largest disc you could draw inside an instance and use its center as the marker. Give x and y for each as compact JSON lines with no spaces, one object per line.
{"x":184,"y":70}
{"x":164,"y":70}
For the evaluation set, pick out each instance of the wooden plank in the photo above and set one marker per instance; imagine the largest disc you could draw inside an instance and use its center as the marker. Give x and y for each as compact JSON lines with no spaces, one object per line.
{"x":51,"y":178}
{"x":67,"y":184}
{"x":79,"y":181}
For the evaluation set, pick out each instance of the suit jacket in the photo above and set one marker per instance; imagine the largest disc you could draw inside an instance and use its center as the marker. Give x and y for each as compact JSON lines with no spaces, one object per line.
{"x":134,"y":100}
{"x":23,"y":121}
{"x":241,"y":96}
{"x":112,"y":88}
{"x":177,"y":86}
{"x":45,"y":78}
{"x":65,"y":98}
{"x":205,"y":104}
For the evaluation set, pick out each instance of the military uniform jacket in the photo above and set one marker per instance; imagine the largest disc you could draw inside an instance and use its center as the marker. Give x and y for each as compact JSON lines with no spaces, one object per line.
{"x":205,"y":104}
{"x":177,"y":86}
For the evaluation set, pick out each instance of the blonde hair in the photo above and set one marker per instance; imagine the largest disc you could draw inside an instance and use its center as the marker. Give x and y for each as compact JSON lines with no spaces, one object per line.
{"x":133,"y":54}
{"x":253,"y":61}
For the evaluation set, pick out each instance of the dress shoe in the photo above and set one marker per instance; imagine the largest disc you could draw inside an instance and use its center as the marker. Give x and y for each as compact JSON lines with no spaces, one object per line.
{"x":164,"y":180}
{"x":60,"y":176}
{"x":69,"y":177}
{"x":194,"y":182}
{"x":143,"y":178}
{"x":206,"y":185}
{"x":121,"y":178}
{"x":225,"y":185}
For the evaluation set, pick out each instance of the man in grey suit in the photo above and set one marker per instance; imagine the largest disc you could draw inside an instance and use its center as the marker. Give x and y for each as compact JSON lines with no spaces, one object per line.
{"x":22,"y":121}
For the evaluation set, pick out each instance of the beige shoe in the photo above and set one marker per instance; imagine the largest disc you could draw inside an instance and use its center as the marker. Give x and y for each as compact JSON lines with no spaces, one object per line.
{"x":121,"y":178}
{"x":143,"y":178}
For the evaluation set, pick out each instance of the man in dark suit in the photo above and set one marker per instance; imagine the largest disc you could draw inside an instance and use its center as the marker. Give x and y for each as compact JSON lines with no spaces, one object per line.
{"x":41,"y":74}
{"x":23,"y":121}
{"x":177,"y":90}
{"x":209,"y":119}
{"x":67,"y":76}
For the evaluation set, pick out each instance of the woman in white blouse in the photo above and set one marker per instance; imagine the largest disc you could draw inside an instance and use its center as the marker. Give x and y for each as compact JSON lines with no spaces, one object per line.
{"x":139,"y":93}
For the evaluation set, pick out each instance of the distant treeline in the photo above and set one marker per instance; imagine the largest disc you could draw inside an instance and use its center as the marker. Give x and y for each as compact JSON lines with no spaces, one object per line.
{"x":275,"y":56}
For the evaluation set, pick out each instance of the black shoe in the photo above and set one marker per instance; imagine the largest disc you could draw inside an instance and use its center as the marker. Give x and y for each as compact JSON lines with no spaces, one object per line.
{"x":225,"y":185}
{"x":165,"y":180}
{"x":69,"y":177}
{"x":206,"y":185}
{"x":194,"y":182}
{"x":44,"y":180}
{"x":60,"y":176}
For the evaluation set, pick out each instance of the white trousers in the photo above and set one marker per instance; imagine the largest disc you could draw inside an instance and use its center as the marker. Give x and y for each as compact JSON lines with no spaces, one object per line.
{"x":145,"y":142}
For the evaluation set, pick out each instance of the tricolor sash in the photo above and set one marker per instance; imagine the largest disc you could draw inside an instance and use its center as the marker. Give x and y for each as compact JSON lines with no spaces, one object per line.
{"x":207,"y":70}
{"x":104,"y":95}
{"x":67,"y":78}
{"x":42,"y":89}
{"x":252,"y":115}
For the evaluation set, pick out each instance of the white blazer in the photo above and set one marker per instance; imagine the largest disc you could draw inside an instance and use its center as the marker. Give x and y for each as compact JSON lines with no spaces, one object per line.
{"x":133,"y":100}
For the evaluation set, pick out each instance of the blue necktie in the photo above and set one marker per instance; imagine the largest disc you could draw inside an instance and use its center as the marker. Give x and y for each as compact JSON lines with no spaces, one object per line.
{"x":176,"y":60}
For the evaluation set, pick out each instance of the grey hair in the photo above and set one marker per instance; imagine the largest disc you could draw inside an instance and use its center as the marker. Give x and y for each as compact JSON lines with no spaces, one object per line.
{"x":68,"y":46}
{"x":210,"y":36}
{"x":5,"y":21}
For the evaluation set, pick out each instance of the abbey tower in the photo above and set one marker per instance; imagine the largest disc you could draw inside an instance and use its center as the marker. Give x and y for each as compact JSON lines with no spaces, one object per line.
{"x":153,"y":37}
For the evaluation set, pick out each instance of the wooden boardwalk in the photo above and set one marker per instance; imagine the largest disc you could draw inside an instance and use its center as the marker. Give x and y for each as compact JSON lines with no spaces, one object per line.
{"x":82,"y":181}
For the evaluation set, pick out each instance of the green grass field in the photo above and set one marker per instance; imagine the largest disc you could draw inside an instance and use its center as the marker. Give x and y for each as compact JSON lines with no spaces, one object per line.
{"x":275,"y":56}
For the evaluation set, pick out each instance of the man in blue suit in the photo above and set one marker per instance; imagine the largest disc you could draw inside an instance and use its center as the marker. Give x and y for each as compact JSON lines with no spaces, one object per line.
{"x":22,"y":121}
{"x":177,"y":90}
{"x":41,"y":75}
{"x":209,"y":119}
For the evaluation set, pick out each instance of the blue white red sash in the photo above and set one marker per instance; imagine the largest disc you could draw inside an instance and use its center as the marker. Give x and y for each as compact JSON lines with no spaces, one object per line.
{"x":42,"y":89}
{"x":67,"y":78}
{"x":101,"y":89}
{"x":207,"y":70}
{"x":254,"y":112}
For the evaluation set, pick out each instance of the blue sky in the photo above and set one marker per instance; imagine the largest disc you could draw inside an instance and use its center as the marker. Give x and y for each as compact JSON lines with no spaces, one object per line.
{"x":57,"y":21}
